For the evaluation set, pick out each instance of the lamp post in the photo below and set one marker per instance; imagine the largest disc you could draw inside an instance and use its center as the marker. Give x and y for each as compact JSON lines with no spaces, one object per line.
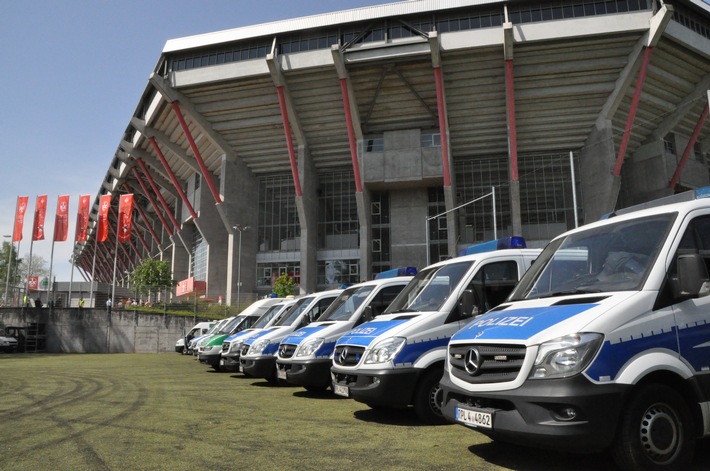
{"x":241,"y":229}
{"x":9,"y":261}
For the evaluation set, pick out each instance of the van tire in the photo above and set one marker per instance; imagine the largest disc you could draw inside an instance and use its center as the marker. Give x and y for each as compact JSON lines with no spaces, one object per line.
{"x":428,"y":397}
{"x":655,"y":431}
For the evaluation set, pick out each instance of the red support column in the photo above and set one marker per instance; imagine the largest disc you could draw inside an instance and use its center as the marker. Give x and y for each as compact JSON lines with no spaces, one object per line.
{"x":512,"y":129}
{"x":689,"y":147}
{"x":351,"y":134}
{"x":147,"y":221}
{"x":205,"y":172}
{"x":173,"y":179}
{"x":289,"y":142}
{"x":152,"y":201}
{"x":157,"y":192}
{"x":632,"y":111}
{"x":443,"y":130}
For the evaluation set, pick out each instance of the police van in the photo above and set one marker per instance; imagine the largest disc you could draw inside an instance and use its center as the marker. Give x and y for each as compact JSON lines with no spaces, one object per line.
{"x":197,"y":330}
{"x":397,"y":359}
{"x":231,"y":347}
{"x":604,"y":343}
{"x":303,"y":357}
{"x":258,"y":355}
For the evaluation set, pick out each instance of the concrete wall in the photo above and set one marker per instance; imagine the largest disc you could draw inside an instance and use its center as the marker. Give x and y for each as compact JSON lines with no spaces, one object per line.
{"x":96,"y":331}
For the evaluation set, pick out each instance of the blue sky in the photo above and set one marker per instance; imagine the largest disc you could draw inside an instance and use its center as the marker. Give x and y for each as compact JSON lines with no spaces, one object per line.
{"x":71,"y":75}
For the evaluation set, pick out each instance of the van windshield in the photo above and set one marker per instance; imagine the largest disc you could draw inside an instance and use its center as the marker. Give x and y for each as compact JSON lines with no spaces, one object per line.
{"x":268,"y":315}
{"x":347,"y":303}
{"x":612,"y":257}
{"x":430,"y":289}
{"x":296,"y":310}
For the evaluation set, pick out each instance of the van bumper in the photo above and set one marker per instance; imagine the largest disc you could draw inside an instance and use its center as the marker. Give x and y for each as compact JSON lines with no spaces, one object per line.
{"x":539,"y":413}
{"x":384,"y":388}
{"x":308,"y":374}
{"x":258,"y":367}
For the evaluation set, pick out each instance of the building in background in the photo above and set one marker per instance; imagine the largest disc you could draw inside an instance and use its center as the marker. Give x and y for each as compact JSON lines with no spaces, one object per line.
{"x":336,"y":146}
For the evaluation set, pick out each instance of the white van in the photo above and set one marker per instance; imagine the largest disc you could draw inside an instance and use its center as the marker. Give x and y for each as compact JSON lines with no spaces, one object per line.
{"x":199,"y":329}
{"x":258,"y":355}
{"x":303,"y":357}
{"x":397,"y":359}
{"x":604,"y":343}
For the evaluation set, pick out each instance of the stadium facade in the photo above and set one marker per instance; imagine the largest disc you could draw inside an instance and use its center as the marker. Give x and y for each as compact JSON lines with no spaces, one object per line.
{"x":336,"y":146}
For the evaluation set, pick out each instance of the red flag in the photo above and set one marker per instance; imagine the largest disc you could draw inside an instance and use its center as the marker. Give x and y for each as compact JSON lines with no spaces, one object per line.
{"x":125,"y":213}
{"x":40,"y":213}
{"x":104,"y":205}
{"x":19,"y":217}
{"x":61,"y":220}
{"x":82,"y":219}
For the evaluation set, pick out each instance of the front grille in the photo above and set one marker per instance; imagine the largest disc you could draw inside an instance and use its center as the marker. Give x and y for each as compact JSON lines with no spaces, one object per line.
{"x":347,"y":355}
{"x":480,"y":363}
{"x":225,"y":347}
{"x":286,"y":350}
{"x":245,"y":349}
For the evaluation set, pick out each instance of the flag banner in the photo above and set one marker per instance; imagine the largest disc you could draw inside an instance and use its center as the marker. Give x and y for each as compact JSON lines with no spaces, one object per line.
{"x":82,"y":218}
{"x":33,"y":282}
{"x":19,"y":217}
{"x":104,"y":205}
{"x":61,"y":220}
{"x":40,"y":213}
{"x":125,"y":216}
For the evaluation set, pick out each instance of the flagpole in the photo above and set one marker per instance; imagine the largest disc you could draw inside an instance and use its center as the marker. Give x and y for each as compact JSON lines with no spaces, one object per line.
{"x":71,"y":279}
{"x":51,"y":260}
{"x":93,"y":269}
{"x":115,"y":259}
{"x":29,"y":270}
{"x":16,"y":258}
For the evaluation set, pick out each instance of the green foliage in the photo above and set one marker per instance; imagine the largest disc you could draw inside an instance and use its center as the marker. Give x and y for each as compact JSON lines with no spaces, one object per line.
{"x":9,"y":254}
{"x":283,"y":286}
{"x":152,"y":274}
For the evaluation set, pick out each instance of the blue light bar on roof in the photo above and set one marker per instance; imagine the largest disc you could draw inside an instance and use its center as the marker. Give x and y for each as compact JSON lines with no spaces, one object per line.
{"x":401,"y":271}
{"x":514,"y":242}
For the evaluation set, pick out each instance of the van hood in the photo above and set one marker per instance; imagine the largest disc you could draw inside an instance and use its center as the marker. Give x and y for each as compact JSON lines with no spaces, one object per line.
{"x":320,"y":328}
{"x":364,"y":334}
{"x":537,"y":320}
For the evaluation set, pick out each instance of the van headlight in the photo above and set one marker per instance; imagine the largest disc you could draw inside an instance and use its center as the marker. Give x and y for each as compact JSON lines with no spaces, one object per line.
{"x":385,"y":351}
{"x":258,"y":347}
{"x":309,"y":348}
{"x":565,"y":356}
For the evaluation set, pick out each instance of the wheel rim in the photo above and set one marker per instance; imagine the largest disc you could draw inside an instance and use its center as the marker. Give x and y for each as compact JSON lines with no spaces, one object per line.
{"x":436,"y":397}
{"x":660,"y":433}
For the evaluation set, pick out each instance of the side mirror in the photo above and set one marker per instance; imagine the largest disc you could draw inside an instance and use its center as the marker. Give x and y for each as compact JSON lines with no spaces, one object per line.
{"x":368,"y":314}
{"x":467,"y":304}
{"x":692,"y":276}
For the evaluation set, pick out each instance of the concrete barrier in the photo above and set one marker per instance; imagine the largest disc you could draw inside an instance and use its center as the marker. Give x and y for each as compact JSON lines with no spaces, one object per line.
{"x":71,"y":330}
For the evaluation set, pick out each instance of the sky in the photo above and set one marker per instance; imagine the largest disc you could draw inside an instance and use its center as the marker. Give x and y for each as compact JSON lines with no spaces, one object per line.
{"x":71,"y":75}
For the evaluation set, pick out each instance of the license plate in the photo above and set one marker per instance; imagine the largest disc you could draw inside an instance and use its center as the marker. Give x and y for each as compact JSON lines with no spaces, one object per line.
{"x":342,"y":390}
{"x":281,"y":374}
{"x":474,"y":418}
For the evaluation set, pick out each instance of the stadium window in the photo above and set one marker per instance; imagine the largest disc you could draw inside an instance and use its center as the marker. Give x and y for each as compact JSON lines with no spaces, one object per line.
{"x":430,"y":139}
{"x":374,"y":144}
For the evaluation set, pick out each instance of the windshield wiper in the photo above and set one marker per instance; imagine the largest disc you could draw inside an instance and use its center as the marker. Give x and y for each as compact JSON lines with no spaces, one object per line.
{"x":568,"y":292}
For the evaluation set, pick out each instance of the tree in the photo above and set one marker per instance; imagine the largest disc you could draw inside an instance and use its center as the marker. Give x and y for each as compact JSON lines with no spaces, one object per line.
{"x":152,"y":275}
{"x":40,"y":266}
{"x":283,"y":286}
{"x":9,"y":254}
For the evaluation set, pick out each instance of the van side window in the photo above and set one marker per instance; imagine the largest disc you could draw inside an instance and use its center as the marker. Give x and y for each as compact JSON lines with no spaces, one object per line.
{"x":383,"y":299}
{"x":695,"y":240}
{"x":493,"y":283}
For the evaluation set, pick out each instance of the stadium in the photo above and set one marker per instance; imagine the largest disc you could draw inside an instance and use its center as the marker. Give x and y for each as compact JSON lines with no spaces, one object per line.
{"x":337,"y":146}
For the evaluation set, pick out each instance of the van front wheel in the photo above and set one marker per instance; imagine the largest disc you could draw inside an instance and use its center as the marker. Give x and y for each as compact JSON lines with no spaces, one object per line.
{"x":428,"y":398}
{"x":655,"y":432}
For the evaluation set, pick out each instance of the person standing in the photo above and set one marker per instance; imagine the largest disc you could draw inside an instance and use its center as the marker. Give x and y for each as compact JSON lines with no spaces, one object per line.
{"x":81,"y":302}
{"x":108,"y":305}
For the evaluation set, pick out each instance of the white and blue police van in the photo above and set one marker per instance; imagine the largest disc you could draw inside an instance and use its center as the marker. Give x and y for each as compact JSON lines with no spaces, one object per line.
{"x":304,"y":357}
{"x":397,"y":359}
{"x":603,"y":345}
{"x":231,"y":346}
{"x":258,"y":353}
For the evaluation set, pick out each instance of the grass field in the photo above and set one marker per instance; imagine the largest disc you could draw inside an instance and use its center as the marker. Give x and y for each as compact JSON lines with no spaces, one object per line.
{"x":169,"y":412}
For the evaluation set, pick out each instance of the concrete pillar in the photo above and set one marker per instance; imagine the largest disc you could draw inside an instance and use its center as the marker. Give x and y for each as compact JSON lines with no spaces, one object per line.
{"x":596,"y":163}
{"x":181,"y":258}
{"x":239,"y":187}
{"x":213,"y":232}
{"x":408,"y":213}
{"x":365,"y":220}
{"x":307,"y":206}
